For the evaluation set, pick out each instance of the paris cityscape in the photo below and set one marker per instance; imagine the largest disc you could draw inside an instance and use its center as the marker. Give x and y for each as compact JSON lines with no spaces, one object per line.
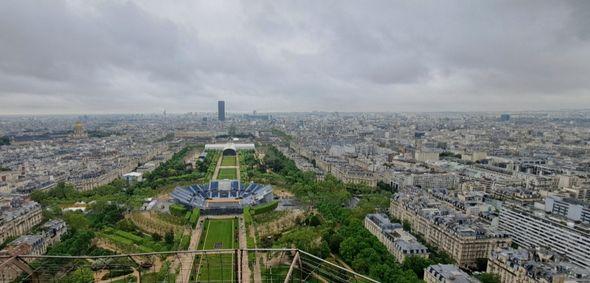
{"x":294,"y":142}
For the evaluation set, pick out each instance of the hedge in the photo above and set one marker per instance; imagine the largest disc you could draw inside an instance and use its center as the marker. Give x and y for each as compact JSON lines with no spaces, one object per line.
{"x":117,"y":239}
{"x":195,"y":217}
{"x":184,"y":242}
{"x":120,"y":271}
{"x":169,"y":218}
{"x":248,"y":216}
{"x":265,"y":207}
{"x":136,"y":239}
{"x":187,"y":217}
{"x":177,"y":209}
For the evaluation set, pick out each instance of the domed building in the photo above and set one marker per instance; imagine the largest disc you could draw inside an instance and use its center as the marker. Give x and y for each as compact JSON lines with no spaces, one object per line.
{"x":79,"y":131}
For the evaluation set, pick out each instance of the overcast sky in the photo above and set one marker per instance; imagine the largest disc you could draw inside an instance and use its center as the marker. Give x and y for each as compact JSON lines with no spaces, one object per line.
{"x":146,"y":56}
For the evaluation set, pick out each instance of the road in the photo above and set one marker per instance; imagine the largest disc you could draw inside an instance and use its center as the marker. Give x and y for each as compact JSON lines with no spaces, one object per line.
{"x":244,"y":245}
{"x":187,"y":260}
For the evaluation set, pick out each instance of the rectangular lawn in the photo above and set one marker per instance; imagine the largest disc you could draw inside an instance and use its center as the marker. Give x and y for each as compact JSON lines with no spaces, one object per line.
{"x":218,"y":234}
{"x":228,"y":161}
{"x":218,"y":231}
{"x":227,"y":173}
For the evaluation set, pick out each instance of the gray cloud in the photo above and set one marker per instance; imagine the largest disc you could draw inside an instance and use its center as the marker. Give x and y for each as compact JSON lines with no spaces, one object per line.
{"x":75,"y":56}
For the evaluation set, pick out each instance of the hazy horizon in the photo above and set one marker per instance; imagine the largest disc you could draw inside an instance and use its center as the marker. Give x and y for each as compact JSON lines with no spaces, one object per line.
{"x":230,"y":113}
{"x":112,"y":57}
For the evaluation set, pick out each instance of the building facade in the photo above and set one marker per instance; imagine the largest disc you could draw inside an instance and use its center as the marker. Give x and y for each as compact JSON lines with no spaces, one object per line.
{"x":37,"y":244}
{"x":221,"y":110}
{"x":535,"y":228}
{"x":19,"y":221}
{"x":572,"y":209}
{"x":397,"y":241}
{"x":447,"y":273}
{"x":530,"y":266}
{"x":462,"y":236}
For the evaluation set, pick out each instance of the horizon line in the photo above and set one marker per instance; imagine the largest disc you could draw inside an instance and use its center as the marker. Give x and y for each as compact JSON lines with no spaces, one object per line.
{"x":293,"y":112}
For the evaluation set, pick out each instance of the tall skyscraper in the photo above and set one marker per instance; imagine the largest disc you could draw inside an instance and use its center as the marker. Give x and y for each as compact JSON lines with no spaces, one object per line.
{"x":221,"y":110}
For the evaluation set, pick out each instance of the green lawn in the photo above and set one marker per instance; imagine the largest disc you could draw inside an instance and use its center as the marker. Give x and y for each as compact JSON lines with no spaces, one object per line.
{"x":219,"y":231}
{"x":228,"y":161}
{"x":218,"y":234}
{"x":128,"y":279}
{"x":157,"y":277}
{"x":130,"y":242}
{"x":279,"y":273}
{"x":227,"y":173}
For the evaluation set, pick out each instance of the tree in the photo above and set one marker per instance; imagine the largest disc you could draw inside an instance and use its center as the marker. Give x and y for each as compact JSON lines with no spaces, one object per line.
{"x":385,"y":186}
{"x":416,"y":264}
{"x":126,"y":225}
{"x":202,"y":166}
{"x":40,"y":197}
{"x":76,"y":243}
{"x":177,"y":209}
{"x":169,"y":237}
{"x":406,"y":225}
{"x":4,"y":140}
{"x":313,"y":220}
{"x":334,"y":241}
{"x":104,"y":214}
{"x":341,"y":229}
{"x":76,"y":221}
{"x":80,"y":275}
{"x":156,"y":237}
{"x":350,"y":248}
{"x":232,"y":130}
{"x":64,"y":191}
{"x":488,"y":278}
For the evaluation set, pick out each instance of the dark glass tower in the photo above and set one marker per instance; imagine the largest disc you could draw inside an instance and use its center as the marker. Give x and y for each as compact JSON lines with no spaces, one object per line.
{"x":221,"y":110}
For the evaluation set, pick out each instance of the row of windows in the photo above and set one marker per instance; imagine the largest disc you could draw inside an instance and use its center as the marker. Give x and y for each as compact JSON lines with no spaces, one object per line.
{"x":533,"y":232}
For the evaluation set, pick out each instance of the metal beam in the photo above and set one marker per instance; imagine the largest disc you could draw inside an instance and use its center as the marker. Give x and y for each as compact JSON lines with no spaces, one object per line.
{"x":21,"y":264}
{"x":295,"y":259}
{"x":6,"y":260}
{"x":339,"y":267}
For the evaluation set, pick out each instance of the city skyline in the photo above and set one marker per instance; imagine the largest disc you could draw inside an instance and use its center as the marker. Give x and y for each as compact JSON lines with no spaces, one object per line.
{"x":295,"y":141}
{"x":423,"y":196}
{"x":98,"y":57}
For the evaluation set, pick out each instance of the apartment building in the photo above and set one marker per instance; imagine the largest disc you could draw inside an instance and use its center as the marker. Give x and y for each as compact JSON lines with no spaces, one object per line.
{"x":398,"y":242}
{"x":37,"y":244}
{"x":447,"y":273}
{"x":534,"y":266}
{"x":53,"y":230}
{"x":424,"y":180}
{"x":19,"y":220}
{"x":533,"y":227}
{"x":354,"y":175}
{"x":572,"y":209}
{"x":430,"y":181}
{"x":425,"y":156}
{"x":462,"y":236}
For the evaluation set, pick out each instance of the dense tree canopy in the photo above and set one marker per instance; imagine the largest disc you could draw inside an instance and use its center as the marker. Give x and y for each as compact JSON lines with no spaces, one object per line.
{"x":341,"y":231}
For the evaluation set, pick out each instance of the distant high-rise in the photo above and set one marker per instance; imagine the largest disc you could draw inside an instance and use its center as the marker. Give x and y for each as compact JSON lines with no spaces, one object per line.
{"x":505,"y":117}
{"x":221,"y":110}
{"x":418,"y":136}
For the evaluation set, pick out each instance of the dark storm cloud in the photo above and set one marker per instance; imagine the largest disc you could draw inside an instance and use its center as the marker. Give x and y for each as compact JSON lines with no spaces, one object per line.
{"x":141,"y":56}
